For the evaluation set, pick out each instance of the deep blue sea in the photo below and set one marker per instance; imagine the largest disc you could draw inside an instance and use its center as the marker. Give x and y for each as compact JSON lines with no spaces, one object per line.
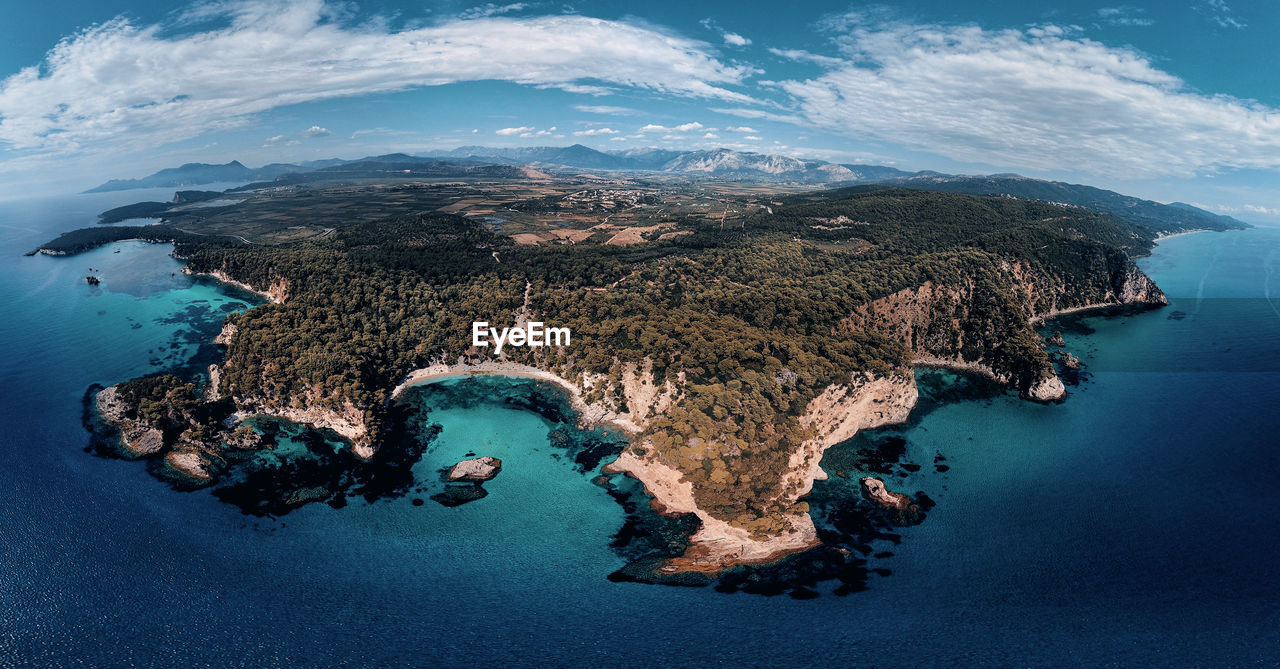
{"x":1136,"y":523}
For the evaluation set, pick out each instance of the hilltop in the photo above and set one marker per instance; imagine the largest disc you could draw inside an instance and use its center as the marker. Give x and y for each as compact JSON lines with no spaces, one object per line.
{"x":718,"y":164}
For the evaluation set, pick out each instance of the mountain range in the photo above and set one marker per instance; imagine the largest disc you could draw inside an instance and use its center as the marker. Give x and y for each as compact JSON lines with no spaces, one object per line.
{"x":723,"y":164}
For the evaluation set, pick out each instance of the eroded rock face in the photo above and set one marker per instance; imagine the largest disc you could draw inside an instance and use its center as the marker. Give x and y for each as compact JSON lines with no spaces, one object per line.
{"x":1048,"y":389}
{"x":141,"y":442}
{"x":874,"y":490}
{"x":476,"y":469}
{"x":1134,"y":287}
{"x":188,"y":467}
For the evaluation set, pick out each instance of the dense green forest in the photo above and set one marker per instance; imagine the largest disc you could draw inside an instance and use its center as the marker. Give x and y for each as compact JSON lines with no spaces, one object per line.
{"x":77,"y":241}
{"x":756,"y":317}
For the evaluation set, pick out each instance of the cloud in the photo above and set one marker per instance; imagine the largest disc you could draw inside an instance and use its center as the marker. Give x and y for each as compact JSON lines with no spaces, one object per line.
{"x":683,"y":127}
{"x":752,"y":138}
{"x":490,"y":9}
{"x":741,"y":128}
{"x":119,"y":85}
{"x":802,"y":56}
{"x":1244,"y":208}
{"x":316,"y":131}
{"x":1042,"y":98}
{"x":592,"y":132}
{"x":527,"y":131}
{"x":732,"y":39}
{"x":1125,"y":16}
{"x":711,"y":135}
{"x":607,"y":109}
{"x":277,"y":139}
{"x":1220,"y":13}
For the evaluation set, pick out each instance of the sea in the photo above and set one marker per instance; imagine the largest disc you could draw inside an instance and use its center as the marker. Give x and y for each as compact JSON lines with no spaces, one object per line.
{"x":1136,"y":523}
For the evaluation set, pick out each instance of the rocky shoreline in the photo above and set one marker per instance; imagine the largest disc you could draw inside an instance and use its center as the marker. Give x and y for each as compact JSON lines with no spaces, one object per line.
{"x":276,"y":293}
{"x":836,"y":415}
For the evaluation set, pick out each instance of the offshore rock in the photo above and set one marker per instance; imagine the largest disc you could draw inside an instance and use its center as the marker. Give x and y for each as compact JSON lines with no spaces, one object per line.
{"x":874,"y":490}
{"x":476,"y":469}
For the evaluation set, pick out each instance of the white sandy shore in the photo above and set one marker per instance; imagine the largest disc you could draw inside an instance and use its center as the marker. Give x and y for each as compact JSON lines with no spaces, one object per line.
{"x":591,"y":414}
{"x":1162,"y":237}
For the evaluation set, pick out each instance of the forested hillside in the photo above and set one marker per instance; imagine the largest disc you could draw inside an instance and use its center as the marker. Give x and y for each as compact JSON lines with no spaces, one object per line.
{"x":753,"y":322}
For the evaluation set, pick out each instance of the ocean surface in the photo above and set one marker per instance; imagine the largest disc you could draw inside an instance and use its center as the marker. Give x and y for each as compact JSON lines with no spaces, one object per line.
{"x":1138,"y":522}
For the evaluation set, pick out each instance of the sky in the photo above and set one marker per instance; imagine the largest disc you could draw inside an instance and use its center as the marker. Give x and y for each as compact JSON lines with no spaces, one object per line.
{"x":1171,"y":100}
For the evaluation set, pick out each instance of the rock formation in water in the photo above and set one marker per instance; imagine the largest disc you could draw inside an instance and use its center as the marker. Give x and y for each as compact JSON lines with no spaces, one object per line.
{"x":475,"y":469}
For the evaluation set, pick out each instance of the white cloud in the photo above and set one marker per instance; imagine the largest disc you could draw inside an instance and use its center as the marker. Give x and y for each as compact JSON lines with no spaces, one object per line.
{"x":316,"y":131}
{"x":1220,"y":13}
{"x":119,"y":85}
{"x":607,"y":109}
{"x":761,"y":114}
{"x":1244,"y":208}
{"x":732,"y":39}
{"x":490,"y":9}
{"x":1125,"y":16}
{"x":592,"y":132}
{"x":752,"y":138}
{"x":276,"y":140}
{"x":802,"y":56}
{"x":741,"y":128}
{"x":683,"y":127}
{"x":527,"y":131}
{"x":1043,"y":98}
{"x":711,"y":135}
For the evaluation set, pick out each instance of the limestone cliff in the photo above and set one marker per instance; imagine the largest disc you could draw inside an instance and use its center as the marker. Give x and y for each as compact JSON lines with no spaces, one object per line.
{"x":836,"y":415}
{"x":949,"y":325}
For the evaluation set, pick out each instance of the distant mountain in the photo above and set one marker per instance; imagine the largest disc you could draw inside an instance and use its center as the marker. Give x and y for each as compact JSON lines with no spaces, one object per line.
{"x":569,"y":156}
{"x":193,"y":174}
{"x":648,"y":158}
{"x":393,"y":166}
{"x":1147,"y":214}
{"x":504,"y":163}
{"x":870,"y":173}
{"x":718,"y":163}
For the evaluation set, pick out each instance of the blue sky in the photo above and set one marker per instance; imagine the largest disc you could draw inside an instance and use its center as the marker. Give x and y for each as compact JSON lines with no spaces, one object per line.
{"x":1169,"y":100}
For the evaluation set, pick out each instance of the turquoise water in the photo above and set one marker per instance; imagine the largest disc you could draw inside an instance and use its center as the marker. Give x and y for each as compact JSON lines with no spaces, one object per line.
{"x":1136,"y":522}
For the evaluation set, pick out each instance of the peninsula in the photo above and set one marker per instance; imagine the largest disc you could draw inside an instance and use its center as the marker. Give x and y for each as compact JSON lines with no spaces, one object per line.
{"x":734,"y":332}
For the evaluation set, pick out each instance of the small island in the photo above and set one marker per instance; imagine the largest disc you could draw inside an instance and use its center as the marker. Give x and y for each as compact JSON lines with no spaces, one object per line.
{"x":475,"y":470}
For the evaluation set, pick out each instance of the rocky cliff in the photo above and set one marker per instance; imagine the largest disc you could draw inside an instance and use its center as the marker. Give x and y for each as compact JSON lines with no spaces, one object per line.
{"x":949,"y":325}
{"x":836,"y":415}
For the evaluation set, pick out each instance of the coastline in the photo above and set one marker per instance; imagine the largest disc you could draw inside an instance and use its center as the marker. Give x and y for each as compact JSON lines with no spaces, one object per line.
{"x":589,"y":414}
{"x":275,"y":294}
{"x":974,"y":367}
{"x":1161,"y":237}
{"x":716,"y":545}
